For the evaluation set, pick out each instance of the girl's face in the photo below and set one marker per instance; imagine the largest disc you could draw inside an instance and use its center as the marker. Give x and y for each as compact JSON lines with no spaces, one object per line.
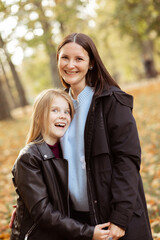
{"x":59,"y":120}
{"x":73,"y":65}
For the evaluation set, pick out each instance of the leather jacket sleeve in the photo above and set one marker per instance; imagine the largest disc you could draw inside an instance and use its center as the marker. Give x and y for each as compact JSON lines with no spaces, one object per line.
{"x":126,"y":156}
{"x":33,"y":191}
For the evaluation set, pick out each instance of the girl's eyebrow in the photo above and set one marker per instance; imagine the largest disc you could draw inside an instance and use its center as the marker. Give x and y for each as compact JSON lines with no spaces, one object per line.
{"x":54,"y":106}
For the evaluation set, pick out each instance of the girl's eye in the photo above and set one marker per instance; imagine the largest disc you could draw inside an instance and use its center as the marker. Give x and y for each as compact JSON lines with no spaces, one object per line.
{"x":54,"y":110}
{"x":67,"y":112}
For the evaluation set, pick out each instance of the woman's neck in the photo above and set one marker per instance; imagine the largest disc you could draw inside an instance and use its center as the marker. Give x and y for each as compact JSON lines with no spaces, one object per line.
{"x":75,"y":91}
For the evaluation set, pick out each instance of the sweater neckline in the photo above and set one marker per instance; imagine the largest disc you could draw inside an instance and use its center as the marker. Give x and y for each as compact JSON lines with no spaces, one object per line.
{"x":83,"y":96}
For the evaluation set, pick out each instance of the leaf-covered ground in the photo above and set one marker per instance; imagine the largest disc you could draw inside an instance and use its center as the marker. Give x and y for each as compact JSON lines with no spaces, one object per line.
{"x":147,"y":114}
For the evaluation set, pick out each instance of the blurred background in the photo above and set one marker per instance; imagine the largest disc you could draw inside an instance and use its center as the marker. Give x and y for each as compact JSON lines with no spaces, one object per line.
{"x":127,"y":35}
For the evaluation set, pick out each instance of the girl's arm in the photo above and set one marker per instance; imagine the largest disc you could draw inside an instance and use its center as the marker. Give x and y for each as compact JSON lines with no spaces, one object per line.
{"x":33,"y":190}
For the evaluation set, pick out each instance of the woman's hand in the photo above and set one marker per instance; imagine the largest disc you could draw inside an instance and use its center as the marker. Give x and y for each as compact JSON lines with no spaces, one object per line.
{"x":116,"y":232}
{"x":100,"y":233}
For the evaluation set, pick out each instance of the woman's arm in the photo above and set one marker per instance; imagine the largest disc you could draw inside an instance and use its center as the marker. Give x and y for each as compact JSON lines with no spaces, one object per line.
{"x":126,"y":153}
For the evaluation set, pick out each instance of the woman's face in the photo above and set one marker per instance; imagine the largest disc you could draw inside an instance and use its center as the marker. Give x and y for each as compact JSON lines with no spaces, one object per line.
{"x":59,"y":120}
{"x":73,"y":65}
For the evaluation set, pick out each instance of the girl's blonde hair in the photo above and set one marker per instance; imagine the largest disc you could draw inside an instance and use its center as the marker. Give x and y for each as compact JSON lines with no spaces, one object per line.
{"x":41,"y":110}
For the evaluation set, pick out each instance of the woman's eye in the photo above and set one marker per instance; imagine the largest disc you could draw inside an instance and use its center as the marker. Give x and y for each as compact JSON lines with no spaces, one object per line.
{"x":79,"y":59}
{"x":64,"y":57}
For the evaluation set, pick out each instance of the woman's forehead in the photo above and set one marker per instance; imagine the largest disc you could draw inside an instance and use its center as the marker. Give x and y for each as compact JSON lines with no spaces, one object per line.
{"x":73,"y":48}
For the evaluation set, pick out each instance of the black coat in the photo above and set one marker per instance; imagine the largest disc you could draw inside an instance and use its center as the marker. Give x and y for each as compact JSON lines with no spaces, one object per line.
{"x":113,"y":157}
{"x":41,"y":182}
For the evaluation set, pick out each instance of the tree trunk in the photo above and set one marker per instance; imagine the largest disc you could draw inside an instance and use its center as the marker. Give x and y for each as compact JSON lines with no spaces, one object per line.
{"x":11,"y":100}
{"x":54,"y":72}
{"x":5,"y":110}
{"x":147,"y":58}
{"x":19,"y":87}
{"x":50,"y":48}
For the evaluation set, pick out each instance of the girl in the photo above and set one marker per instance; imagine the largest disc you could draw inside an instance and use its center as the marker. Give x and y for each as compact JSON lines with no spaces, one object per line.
{"x":40,"y":176}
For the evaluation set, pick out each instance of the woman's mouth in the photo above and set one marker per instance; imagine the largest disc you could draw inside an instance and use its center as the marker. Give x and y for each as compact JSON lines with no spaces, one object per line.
{"x":71,"y":72}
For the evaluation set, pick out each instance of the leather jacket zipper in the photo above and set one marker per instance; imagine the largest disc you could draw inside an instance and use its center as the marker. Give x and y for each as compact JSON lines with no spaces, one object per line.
{"x":30,"y":231}
{"x":68,"y":194}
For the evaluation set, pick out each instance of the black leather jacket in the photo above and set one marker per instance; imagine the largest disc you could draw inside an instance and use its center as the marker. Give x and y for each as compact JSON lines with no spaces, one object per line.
{"x":43,"y":212}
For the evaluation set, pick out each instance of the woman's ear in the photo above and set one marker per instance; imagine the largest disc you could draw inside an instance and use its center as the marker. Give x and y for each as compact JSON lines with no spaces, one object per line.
{"x":91,"y":65}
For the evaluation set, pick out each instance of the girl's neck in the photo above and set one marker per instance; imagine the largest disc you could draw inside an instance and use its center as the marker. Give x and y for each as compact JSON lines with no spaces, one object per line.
{"x":50,"y":141}
{"x":52,"y":145}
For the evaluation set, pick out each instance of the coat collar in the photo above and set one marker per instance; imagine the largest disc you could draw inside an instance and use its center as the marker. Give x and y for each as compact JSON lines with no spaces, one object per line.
{"x":120,"y":96}
{"x":110,"y":91}
{"x":45,"y":151}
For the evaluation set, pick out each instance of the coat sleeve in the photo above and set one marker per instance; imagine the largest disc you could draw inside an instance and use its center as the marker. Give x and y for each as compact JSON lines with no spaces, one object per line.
{"x":126,"y":158}
{"x":33,"y":191}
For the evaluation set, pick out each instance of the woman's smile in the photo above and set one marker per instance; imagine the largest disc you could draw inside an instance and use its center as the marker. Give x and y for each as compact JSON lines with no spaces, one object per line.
{"x":71,"y":72}
{"x":73,"y":65}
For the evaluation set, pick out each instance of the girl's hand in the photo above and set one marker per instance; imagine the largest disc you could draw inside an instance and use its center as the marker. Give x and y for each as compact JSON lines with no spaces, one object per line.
{"x":12,"y":217}
{"x":116,"y":232}
{"x":100,"y":233}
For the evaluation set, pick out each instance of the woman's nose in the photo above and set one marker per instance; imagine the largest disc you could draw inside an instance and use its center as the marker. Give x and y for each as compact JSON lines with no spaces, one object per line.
{"x":70,"y":63}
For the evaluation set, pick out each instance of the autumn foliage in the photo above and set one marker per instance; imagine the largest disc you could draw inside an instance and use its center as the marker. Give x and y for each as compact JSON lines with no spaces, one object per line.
{"x":147,"y":114}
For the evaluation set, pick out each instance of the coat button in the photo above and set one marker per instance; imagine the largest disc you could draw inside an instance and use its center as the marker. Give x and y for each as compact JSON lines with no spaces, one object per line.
{"x":95,"y":201}
{"x":45,"y":156}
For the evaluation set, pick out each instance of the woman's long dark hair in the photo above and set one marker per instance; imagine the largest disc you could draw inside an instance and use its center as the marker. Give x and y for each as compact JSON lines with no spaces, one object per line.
{"x":98,"y":77}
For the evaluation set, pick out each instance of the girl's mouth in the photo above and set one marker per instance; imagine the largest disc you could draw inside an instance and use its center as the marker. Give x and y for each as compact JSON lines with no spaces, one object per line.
{"x":62,"y":125}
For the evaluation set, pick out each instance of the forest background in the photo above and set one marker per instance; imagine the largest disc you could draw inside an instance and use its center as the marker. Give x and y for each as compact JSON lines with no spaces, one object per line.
{"x":127,"y":35}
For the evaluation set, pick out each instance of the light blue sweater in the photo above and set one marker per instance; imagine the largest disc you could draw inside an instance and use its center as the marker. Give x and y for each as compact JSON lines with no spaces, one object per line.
{"x":72,"y":145}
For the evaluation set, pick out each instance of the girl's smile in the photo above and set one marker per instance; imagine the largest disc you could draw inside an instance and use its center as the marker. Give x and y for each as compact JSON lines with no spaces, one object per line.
{"x":59,"y":120}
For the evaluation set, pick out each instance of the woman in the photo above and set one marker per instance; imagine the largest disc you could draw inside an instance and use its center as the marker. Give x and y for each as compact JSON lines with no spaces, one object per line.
{"x":102,"y":144}
{"x":40,"y":176}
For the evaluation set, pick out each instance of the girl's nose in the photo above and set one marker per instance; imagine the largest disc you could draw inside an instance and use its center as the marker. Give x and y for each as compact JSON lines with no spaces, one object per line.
{"x":62,"y":116}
